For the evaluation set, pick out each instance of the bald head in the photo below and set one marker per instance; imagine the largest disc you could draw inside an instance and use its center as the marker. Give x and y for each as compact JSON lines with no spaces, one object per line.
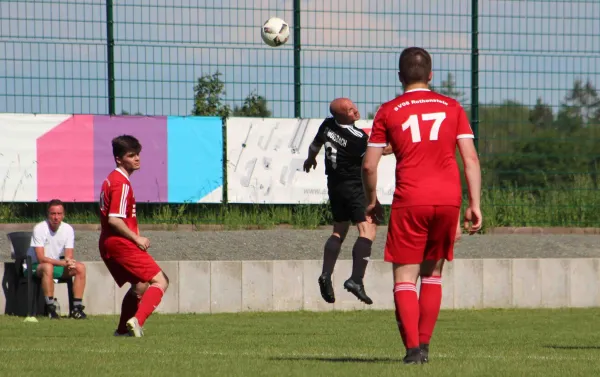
{"x":344,"y":111}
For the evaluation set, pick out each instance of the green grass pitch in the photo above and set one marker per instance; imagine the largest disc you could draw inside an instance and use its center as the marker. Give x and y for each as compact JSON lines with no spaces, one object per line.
{"x":559,"y":342}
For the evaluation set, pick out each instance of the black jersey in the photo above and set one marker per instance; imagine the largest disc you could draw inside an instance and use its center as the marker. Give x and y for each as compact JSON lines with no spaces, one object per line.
{"x":345,"y":146}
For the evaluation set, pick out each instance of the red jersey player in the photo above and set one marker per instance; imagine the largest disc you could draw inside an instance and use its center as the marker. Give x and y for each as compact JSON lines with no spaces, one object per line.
{"x":122,"y":248}
{"x":424,"y":129}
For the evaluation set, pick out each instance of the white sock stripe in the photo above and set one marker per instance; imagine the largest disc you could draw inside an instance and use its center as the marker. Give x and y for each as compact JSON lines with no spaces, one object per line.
{"x":431,"y":281}
{"x":407,"y":287}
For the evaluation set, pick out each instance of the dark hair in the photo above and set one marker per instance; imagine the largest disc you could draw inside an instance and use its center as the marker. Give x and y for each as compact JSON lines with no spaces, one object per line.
{"x":124,"y":144}
{"x":414,"y":66}
{"x":55,"y":202}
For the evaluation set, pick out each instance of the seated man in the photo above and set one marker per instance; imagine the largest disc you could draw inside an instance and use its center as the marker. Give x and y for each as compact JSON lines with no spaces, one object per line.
{"x":51,"y":252}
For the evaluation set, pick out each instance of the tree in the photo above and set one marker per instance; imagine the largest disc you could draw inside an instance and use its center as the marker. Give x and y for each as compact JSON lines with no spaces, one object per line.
{"x":501,"y":126}
{"x":581,"y":107}
{"x":448,"y":88}
{"x":254,"y":106}
{"x":585,"y":98}
{"x":541,"y":115}
{"x":372,"y":115}
{"x":569,"y":119}
{"x":208,"y":97}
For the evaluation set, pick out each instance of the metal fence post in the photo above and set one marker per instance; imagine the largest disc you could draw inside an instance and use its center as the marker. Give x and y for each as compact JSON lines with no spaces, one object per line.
{"x":110,"y":53}
{"x":475,"y":70}
{"x":297,"y":49}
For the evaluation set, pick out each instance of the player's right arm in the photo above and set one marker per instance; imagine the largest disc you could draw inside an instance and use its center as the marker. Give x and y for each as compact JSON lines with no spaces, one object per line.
{"x":117,"y":211}
{"x":378,"y":142}
{"x":472,"y":169}
{"x":314,"y":149}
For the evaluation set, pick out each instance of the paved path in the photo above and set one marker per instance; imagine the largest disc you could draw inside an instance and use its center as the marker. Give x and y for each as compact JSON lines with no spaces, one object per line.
{"x":308,"y":244}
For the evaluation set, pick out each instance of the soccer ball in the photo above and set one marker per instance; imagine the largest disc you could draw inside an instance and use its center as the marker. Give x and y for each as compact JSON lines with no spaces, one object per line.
{"x":275,"y":32}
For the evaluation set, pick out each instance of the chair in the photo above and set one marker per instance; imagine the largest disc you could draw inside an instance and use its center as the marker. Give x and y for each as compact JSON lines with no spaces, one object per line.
{"x":20,"y":242}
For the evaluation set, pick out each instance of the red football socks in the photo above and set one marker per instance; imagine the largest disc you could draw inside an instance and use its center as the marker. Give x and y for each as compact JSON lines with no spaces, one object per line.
{"x":407,"y":307}
{"x":400,"y":328}
{"x":150,"y":300}
{"x":128,"y":309}
{"x":430,"y":301}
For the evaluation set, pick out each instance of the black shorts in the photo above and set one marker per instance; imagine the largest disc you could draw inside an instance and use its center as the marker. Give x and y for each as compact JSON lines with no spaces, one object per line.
{"x":347,"y":201}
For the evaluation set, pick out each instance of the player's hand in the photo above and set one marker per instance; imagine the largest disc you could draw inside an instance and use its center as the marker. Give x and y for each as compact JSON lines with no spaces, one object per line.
{"x":374,"y":213}
{"x":71,"y":264}
{"x":308,"y":163}
{"x":143,"y":243}
{"x":473,"y":220}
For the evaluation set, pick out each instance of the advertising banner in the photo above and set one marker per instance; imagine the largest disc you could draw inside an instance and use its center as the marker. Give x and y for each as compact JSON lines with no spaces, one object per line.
{"x":265,"y":158}
{"x":67,"y":157}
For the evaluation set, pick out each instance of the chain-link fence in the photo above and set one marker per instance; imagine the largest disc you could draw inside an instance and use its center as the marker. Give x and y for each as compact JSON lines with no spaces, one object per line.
{"x":524,"y":70}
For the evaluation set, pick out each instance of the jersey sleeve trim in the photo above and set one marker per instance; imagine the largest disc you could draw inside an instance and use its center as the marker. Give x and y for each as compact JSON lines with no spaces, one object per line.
{"x":465,"y":136}
{"x":123,"y":203}
{"x":378,"y":145}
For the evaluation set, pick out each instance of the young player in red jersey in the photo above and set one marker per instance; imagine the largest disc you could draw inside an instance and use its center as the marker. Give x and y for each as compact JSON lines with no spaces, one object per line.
{"x":122,"y":248}
{"x":424,"y":129}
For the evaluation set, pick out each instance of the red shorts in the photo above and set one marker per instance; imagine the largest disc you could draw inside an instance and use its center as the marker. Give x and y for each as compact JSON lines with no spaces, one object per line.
{"x":126,"y":262}
{"x":420,"y":233}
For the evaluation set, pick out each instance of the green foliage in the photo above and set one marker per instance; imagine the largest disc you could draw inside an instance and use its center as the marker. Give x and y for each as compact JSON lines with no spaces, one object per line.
{"x":533,"y":148}
{"x":541,"y":116}
{"x":209,"y":94}
{"x":449,"y":89}
{"x":125,"y":112}
{"x":571,"y":205}
{"x":583,"y":102}
{"x":7,"y":211}
{"x":208,"y":97}
{"x":254,"y":106}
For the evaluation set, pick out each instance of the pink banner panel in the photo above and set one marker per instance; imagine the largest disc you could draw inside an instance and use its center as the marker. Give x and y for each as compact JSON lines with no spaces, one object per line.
{"x":65,"y":161}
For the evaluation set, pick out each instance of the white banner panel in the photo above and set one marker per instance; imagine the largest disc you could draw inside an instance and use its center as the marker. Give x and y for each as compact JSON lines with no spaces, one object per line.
{"x":265,"y":158}
{"x":18,"y":154}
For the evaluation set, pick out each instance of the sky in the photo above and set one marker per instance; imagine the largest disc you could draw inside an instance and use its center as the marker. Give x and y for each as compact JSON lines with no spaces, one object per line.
{"x":54,"y":52}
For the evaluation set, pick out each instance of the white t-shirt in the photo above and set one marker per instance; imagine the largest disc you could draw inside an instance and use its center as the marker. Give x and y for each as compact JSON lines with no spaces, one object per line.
{"x":54,"y":243}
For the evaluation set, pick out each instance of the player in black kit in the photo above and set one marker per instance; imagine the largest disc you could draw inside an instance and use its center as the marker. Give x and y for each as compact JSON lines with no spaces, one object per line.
{"x":345,"y":144}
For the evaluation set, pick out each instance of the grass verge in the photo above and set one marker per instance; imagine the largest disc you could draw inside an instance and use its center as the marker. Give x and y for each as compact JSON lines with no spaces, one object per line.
{"x":516,"y":207}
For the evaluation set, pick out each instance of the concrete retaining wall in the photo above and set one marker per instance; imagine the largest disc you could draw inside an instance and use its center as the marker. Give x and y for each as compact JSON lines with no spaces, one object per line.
{"x":235,"y":286}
